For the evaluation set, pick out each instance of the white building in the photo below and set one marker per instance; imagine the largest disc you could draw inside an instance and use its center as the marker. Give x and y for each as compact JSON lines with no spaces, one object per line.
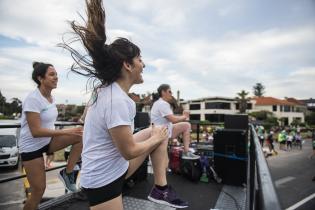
{"x":213,"y":109}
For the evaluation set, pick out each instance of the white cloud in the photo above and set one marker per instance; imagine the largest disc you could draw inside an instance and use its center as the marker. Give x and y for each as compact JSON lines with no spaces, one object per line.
{"x":279,"y":55}
{"x":306,"y":72}
{"x":38,"y":22}
{"x":229,"y":9}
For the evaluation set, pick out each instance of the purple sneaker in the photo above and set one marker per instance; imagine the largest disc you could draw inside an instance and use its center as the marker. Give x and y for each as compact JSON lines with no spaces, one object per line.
{"x":167,"y":197}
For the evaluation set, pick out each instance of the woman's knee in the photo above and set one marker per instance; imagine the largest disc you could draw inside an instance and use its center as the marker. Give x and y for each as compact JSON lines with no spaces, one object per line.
{"x":187,"y":126}
{"x":162,"y":146}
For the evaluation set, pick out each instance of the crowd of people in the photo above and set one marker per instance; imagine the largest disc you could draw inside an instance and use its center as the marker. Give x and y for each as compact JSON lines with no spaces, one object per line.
{"x":288,"y":138}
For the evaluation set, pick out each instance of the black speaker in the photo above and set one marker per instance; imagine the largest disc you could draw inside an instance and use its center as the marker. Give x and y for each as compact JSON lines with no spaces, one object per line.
{"x":142,"y":120}
{"x":191,"y":169}
{"x":230,"y":155}
{"x":236,"y":121}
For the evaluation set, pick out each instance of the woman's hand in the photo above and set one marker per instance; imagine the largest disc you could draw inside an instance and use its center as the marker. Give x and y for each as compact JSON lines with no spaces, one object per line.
{"x":77,"y":131}
{"x":160,"y":133}
{"x":186,"y":114}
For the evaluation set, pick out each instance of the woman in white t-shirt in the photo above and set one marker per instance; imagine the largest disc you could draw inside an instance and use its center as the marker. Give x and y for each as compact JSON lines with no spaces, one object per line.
{"x":38,"y":135}
{"x":162,"y":114}
{"x":111,"y":153}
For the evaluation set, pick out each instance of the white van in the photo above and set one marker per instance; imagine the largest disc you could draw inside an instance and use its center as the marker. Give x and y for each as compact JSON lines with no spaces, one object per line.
{"x":9,"y":154}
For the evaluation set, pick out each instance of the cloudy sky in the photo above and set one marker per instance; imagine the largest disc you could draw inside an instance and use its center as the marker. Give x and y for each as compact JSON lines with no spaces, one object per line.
{"x":203,"y":48}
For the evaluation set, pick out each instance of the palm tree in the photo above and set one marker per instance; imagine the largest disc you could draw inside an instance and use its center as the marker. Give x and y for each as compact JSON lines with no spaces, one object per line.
{"x":242,"y":100}
{"x":259,"y":90}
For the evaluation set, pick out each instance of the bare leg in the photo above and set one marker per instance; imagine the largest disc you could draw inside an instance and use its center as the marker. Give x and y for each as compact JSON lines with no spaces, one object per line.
{"x":61,"y":142}
{"x":158,"y":155}
{"x":182,"y":128}
{"x":35,"y":172}
{"x":135,"y":163}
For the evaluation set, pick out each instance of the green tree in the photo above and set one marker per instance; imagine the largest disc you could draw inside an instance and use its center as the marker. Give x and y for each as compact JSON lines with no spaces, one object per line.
{"x":259,"y":89}
{"x":242,"y":100}
{"x":261,"y":115}
{"x":2,"y":102}
{"x":16,"y":106}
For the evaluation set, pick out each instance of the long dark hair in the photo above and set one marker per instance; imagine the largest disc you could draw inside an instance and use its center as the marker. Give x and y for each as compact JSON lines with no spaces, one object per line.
{"x":39,"y":70}
{"x":103,"y":62}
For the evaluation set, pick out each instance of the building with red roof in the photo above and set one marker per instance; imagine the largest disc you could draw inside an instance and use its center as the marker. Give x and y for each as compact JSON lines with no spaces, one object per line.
{"x":213,"y":109}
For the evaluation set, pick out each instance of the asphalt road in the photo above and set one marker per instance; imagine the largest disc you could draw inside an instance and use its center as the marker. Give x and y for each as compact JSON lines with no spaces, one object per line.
{"x":12,"y":194}
{"x":292,"y":172}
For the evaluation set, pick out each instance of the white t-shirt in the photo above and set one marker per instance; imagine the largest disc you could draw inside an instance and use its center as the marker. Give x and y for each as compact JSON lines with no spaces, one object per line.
{"x":159,"y":111}
{"x":48,"y":113}
{"x":102,"y":162}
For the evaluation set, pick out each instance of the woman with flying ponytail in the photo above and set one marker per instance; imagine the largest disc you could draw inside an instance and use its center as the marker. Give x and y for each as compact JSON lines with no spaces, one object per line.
{"x":111,"y":153}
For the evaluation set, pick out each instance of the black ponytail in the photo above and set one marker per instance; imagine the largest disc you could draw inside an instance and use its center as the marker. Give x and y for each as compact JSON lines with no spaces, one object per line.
{"x":103,"y":62}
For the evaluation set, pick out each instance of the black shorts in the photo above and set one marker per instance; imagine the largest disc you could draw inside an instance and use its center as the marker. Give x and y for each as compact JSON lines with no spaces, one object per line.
{"x":108,"y":192}
{"x":25,"y":156}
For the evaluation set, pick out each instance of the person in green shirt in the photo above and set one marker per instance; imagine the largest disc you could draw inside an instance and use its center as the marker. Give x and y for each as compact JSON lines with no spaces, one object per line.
{"x":282,"y":139}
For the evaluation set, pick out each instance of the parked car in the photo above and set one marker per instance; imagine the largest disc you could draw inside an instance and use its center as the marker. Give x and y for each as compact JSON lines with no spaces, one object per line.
{"x":9,"y":154}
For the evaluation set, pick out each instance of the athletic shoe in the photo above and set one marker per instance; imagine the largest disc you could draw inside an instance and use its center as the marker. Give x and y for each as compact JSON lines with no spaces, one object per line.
{"x":190,"y":155}
{"x":68,"y":180}
{"x":167,"y":197}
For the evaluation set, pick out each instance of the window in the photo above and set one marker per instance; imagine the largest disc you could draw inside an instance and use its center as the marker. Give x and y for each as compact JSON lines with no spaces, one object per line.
{"x":218,"y":105}
{"x":249,"y":106}
{"x":286,"y":108}
{"x":274,"y":108}
{"x":194,"y":116}
{"x":194,"y":106}
{"x":298,"y":109}
{"x":281,"y":108}
{"x":7,"y":141}
{"x":215,"y":117}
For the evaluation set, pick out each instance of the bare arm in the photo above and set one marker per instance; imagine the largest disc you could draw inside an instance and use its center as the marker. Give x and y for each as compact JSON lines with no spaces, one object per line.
{"x":175,"y":119}
{"x":34,"y":123}
{"x":129,"y":149}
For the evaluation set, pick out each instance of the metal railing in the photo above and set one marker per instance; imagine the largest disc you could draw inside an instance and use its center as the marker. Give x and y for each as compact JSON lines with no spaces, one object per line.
{"x":18,"y":125}
{"x":261,"y":193}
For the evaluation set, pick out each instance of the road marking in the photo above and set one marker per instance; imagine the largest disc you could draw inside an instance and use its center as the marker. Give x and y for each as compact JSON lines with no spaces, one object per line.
{"x":12,"y":202}
{"x":300,"y":203}
{"x":284,"y":180}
